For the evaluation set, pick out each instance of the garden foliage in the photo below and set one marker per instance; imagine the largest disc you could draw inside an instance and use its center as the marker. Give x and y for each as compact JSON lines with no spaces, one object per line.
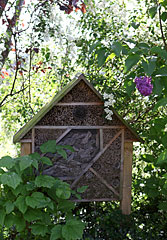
{"x":36,"y":206}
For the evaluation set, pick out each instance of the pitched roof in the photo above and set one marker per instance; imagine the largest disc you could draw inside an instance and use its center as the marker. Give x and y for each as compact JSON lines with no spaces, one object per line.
{"x":28,"y":126}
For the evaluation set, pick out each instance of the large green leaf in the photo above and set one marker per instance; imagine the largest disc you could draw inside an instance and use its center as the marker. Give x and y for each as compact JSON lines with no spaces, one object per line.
{"x":160,"y":52}
{"x":161,"y":102}
{"x":25,"y":162}
{"x":49,"y":147}
{"x":9,"y":220}
{"x":11,"y":179}
{"x":9,"y":206}
{"x":2,"y":217}
{"x":21,"y":204}
{"x":162,"y":158}
{"x":162,"y":72}
{"x":62,"y":152}
{"x":153,"y":11}
{"x":37,"y":199}
{"x":7,"y":162}
{"x":47,"y":161}
{"x":20,"y":223}
{"x":63,"y":190}
{"x":116,"y":48}
{"x":73,"y":229}
{"x":56,"y":232}
{"x":101,"y":56}
{"x":131,"y":61}
{"x":65,"y":205}
{"x":39,"y":229}
{"x":44,"y":181}
{"x":164,"y":16}
{"x":32,"y":215}
{"x":149,"y":67}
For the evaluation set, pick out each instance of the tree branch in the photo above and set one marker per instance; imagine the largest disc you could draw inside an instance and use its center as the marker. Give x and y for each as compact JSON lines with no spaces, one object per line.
{"x":161,"y":27}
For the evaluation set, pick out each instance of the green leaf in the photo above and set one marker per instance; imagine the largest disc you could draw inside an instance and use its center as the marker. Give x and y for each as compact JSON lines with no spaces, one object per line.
{"x":37,"y":199}
{"x":95,"y":45}
{"x":101,"y":56}
{"x":49,"y":147}
{"x":135,"y":25}
{"x":162,"y":72}
{"x":20,"y":223}
{"x":7,"y":162}
{"x":131,"y":61}
{"x":157,"y":89}
{"x":25,"y":162}
{"x":44,"y":181}
{"x":82,"y":189}
{"x":9,"y":220}
{"x":35,"y":164}
{"x":162,"y":158}
{"x":63,"y":191}
{"x":161,"y":102}
{"x":30,"y":186}
{"x":65,"y":205}
{"x":149,"y":67}
{"x":130,"y":87}
{"x":2,"y":217}
{"x":116,"y":48}
{"x":32,"y":215}
{"x":73,"y":230}
{"x":47,"y":161}
{"x":68,"y":147}
{"x":143,"y":45}
{"x":164,"y":16}
{"x":163,"y":206}
{"x":153,"y":11}
{"x":35,"y":156}
{"x":39,"y":229}
{"x":160,"y":52}
{"x":21,"y":204}
{"x":62,"y":153}
{"x":56,"y":232}
{"x":9,"y":206}
{"x":11,"y":179}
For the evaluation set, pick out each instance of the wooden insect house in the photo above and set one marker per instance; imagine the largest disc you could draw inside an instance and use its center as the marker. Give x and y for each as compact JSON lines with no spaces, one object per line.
{"x":102,"y":159}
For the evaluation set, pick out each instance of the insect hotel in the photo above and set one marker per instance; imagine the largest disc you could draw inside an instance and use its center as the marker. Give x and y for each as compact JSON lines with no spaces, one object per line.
{"x":102,"y":159}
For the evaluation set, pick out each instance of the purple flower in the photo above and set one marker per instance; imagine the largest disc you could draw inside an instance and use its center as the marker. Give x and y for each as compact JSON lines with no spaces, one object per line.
{"x":144,"y":85}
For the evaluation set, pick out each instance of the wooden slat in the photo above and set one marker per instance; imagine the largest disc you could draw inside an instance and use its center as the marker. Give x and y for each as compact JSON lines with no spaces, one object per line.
{"x":94,"y":200}
{"x":63,"y":135}
{"x":33,"y":140}
{"x":96,"y":158}
{"x":127,"y":178}
{"x":101,"y":139}
{"x":79,"y":127}
{"x":80,"y":104}
{"x":104,"y":181}
{"x":25,"y":149}
{"x":122,"y":162}
{"x":26,"y":141}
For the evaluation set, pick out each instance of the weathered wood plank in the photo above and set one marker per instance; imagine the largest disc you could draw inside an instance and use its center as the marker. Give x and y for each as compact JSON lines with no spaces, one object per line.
{"x":25,"y":149}
{"x":79,"y":127}
{"x":127,"y":178}
{"x":122,"y":161}
{"x":101,"y":139}
{"x":79,"y":104}
{"x":26,"y":141}
{"x":33,"y":140}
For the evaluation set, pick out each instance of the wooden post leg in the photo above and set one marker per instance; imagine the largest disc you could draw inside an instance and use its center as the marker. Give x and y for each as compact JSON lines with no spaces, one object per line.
{"x":26,"y":149}
{"x":127,"y":178}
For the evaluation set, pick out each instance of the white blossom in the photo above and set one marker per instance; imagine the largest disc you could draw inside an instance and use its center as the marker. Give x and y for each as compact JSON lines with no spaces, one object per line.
{"x":107,"y":104}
